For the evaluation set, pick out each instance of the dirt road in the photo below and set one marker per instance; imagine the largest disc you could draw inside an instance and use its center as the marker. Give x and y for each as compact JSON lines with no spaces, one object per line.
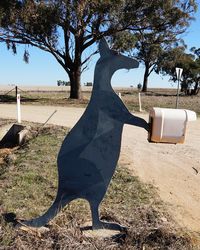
{"x":173,"y":169}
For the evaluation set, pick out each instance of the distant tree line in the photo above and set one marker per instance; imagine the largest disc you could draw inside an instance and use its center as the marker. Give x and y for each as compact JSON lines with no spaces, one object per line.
{"x":68,"y":30}
{"x":64,"y":83}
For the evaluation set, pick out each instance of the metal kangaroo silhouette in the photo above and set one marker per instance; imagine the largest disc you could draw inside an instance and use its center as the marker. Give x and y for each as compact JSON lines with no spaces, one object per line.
{"x":88,"y":156}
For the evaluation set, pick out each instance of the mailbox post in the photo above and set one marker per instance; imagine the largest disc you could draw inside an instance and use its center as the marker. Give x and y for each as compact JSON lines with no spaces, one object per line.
{"x":178,"y":73}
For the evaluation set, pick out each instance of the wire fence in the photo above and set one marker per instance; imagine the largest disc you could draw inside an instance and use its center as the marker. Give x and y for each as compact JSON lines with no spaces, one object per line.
{"x":16,"y":90}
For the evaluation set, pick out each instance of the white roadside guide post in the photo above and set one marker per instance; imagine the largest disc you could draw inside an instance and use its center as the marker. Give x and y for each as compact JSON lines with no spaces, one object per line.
{"x":178,"y":74}
{"x":140,"y":104}
{"x":18,"y":109}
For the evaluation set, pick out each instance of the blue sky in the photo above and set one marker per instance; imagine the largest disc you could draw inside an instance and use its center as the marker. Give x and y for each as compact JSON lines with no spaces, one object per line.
{"x":43,"y":69}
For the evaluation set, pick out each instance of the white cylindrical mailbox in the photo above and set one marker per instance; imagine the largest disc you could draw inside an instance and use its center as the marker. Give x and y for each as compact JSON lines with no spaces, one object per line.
{"x":169,"y":125}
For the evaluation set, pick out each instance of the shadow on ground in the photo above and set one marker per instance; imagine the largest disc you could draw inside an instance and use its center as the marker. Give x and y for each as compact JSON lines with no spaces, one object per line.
{"x":152,"y":93}
{"x":12,"y":99}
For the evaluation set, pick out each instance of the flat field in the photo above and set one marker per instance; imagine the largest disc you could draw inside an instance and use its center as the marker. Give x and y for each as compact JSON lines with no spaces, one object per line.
{"x":60,"y":96}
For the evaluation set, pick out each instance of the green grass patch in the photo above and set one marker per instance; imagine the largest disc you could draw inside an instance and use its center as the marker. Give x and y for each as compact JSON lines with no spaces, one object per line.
{"x":28,"y":187}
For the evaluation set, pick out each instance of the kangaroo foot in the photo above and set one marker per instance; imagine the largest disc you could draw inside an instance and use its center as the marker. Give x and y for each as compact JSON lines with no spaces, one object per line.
{"x":21,"y":223}
{"x":109,"y":226}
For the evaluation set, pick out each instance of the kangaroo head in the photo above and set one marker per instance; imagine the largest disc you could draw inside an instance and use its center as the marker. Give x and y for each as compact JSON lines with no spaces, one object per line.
{"x":115,"y":60}
{"x":109,"y":62}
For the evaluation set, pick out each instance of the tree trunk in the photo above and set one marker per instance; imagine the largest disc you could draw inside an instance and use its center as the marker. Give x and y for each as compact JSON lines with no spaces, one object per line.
{"x":196,"y":89}
{"x":146,"y":75}
{"x":75,"y":83}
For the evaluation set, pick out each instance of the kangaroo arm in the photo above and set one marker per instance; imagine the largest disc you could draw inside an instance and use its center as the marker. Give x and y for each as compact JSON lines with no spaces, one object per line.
{"x":118,"y":111}
{"x":137,"y":121}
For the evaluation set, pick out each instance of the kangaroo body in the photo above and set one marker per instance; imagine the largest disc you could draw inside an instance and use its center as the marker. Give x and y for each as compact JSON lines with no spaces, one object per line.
{"x":89,"y":153}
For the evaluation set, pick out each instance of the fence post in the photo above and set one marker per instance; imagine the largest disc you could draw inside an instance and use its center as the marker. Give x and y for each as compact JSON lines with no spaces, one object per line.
{"x":18,"y":109}
{"x":140,"y":104}
{"x":16,"y":91}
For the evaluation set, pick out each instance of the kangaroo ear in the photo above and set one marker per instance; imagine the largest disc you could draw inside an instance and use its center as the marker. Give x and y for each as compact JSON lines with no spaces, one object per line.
{"x":103,"y":48}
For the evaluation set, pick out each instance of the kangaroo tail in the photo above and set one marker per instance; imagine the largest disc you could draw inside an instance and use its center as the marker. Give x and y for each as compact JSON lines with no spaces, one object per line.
{"x":57,"y":205}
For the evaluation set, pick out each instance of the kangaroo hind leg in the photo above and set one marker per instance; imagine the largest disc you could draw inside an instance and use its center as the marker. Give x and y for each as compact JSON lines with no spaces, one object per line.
{"x":42,"y":220}
{"x":98,"y":224}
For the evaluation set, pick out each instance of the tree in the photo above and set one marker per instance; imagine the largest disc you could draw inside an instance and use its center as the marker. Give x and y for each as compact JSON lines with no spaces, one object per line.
{"x":63,"y":83}
{"x":167,"y":20}
{"x":196,"y":70}
{"x":5,"y":19}
{"x":189,"y":62}
{"x":66,"y":28}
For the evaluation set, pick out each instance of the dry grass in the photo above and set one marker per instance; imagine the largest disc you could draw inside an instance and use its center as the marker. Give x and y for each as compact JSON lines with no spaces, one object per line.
{"x":60,"y":98}
{"x":161,"y":98}
{"x":28,"y":186}
{"x":153,"y":98}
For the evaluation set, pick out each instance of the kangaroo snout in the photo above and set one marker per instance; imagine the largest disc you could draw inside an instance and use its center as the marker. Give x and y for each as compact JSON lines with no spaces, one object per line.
{"x":126,"y":62}
{"x":135,"y":63}
{"x":132,"y":63}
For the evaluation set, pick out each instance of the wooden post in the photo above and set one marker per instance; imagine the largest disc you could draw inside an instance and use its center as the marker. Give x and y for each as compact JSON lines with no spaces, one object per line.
{"x":16,"y":91}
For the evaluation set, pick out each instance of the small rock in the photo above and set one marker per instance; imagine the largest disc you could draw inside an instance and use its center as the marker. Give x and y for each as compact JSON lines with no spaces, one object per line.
{"x":11,"y":158}
{"x":163,"y":219}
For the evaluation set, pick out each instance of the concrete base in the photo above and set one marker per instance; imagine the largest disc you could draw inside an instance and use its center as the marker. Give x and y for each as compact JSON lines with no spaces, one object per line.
{"x":12,"y":134}
{"x":100,"y":233}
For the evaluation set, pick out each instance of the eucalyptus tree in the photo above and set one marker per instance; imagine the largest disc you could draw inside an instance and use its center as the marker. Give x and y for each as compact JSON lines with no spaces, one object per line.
{"x":157,"y":34}
{"x":67,"y":29}
{"x":189,"y":62}
{"x":196,"y":70}
{"x":191,"y":76}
